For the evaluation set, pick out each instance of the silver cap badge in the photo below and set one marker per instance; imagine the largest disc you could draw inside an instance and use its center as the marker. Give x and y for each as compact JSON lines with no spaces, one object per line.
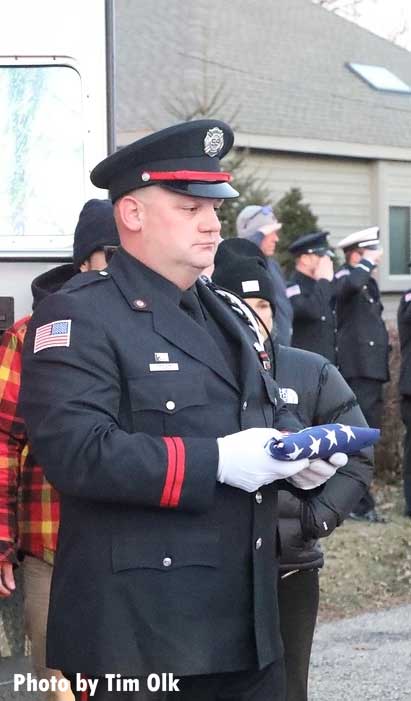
{"x":213,"y":142}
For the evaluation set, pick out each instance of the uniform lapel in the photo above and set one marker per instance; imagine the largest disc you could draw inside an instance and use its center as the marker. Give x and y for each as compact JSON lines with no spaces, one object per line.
{"x":143,"y":295}
{"x":181,"y":330}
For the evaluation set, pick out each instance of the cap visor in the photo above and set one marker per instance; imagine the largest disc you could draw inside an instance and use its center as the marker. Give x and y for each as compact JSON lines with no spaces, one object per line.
{"x":219,"y":191}
{"x":374,"y":245}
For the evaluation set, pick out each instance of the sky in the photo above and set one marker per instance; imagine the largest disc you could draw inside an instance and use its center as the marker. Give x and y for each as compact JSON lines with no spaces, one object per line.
{"x":386,"y":18}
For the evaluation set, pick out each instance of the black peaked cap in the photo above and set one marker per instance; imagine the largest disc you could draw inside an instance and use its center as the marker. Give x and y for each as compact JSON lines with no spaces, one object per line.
{"x":315,"y":242}
{"x":187,"y":155}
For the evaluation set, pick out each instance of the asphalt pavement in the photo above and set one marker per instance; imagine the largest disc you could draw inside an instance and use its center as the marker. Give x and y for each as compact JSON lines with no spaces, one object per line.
{"x":365,"y":658}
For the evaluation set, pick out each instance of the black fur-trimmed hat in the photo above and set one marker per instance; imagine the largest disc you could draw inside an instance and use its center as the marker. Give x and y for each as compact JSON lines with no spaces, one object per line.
{"x":184,"y":158}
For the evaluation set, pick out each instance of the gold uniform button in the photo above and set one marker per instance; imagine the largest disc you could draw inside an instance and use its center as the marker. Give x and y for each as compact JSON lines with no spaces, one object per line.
{"x":258,"y":543}
{"x":323,"y":318}
{"x":167,"y":562}
{"x":170,"y":405}
{"x":371,"y":343}
{"x":258,"y":497}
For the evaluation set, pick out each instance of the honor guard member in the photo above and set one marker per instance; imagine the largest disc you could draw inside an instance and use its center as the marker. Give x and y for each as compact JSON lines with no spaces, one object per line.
{"x":148,"y":406}
{"x":404,"y":330}
{"x":362,"y":337}
{"x":311,"y":293}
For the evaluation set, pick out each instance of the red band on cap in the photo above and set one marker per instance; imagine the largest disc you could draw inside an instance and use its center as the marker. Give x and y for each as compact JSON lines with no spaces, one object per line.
{"x":198,"y":175}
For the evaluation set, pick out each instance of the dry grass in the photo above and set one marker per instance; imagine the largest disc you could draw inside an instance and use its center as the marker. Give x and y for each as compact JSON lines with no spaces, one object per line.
{"x":368,"y":566}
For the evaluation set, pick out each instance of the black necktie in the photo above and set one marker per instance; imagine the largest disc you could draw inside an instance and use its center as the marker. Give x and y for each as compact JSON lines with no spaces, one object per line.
{"x":191,"y":305}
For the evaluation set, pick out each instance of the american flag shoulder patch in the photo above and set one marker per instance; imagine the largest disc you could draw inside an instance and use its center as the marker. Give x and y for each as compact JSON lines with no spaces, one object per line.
{"x":56,"y":333}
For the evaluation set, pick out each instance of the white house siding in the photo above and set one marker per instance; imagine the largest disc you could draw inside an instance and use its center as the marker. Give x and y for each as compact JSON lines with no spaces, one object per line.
{"x":339,"y":190}
{"x":392,"y":187}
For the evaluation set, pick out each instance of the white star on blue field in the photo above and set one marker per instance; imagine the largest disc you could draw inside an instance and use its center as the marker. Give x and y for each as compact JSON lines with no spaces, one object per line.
{"x":322,"y":442}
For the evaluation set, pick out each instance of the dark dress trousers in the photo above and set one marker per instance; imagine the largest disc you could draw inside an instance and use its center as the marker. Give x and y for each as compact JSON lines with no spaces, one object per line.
{"x":314,"y":325}
{"x":159,"y":568}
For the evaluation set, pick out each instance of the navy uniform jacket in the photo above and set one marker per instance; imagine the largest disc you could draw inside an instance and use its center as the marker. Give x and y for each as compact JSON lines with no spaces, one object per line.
{"x":159,"y":568}
{"x":404,"y":330}
{"x":362,"y":337}
{"x":314,"y":326}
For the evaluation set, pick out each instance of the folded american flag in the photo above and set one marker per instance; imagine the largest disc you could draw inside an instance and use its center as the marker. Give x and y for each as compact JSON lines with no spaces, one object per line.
{"x":322,"y":442}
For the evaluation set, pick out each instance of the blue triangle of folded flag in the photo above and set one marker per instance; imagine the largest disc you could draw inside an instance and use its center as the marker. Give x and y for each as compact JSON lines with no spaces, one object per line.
{"x":322,"y":442}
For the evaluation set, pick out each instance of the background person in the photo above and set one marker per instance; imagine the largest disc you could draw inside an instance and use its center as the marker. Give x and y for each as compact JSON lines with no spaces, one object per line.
{"x":316,"y":392}
{"x":362,"y":337}
{"x":29,"y":505}
{"x":259,"y":225}
{"x":311,"y":293}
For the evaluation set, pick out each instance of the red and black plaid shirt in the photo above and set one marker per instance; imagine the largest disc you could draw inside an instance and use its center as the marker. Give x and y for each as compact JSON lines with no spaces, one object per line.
{"x":29,"y":505}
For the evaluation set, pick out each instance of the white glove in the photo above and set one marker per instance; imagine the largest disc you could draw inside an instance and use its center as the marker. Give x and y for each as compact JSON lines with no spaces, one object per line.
{"x":244,"y":462}
{"x":318,"y":471}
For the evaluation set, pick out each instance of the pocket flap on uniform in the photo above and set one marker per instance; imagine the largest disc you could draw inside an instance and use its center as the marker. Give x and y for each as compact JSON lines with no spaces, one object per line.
{"x":166,"y":553}
{"x":160,"y":392}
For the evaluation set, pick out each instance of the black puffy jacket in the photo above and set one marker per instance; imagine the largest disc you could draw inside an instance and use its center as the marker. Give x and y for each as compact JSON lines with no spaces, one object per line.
{"x":316,"y":392}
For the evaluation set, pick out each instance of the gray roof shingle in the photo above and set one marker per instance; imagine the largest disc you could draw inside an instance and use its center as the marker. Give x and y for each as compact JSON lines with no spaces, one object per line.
{"x":279,"y":64}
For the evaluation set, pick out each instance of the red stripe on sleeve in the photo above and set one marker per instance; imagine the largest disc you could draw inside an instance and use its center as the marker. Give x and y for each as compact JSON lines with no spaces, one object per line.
{"x":171,"y":471}
{"x":84,"y":695}
{"x":179,"y":472}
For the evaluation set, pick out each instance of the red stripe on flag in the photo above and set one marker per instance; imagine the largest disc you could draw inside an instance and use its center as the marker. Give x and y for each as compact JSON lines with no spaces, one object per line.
{"x":206,"y":175}
{"x":179,"y":474}
{"x":171,"y":469}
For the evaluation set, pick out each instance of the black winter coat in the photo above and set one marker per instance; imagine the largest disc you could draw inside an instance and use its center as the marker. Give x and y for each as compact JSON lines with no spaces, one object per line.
{"x":159,"y":568}
{"x":314,"y":325}
{"x":317,"y":393}
{"x":362,"y":337}
{"x":404,"y":330}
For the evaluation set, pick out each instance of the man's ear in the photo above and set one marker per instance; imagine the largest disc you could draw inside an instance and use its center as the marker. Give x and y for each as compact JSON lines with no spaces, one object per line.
{"x":129,"y":213}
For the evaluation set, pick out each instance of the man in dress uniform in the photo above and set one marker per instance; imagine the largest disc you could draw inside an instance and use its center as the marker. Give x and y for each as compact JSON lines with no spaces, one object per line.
{"x":147,"y":404}
{"x":311,"y":293}
{"x":362,"y":337}
{"x":404,"y":330}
